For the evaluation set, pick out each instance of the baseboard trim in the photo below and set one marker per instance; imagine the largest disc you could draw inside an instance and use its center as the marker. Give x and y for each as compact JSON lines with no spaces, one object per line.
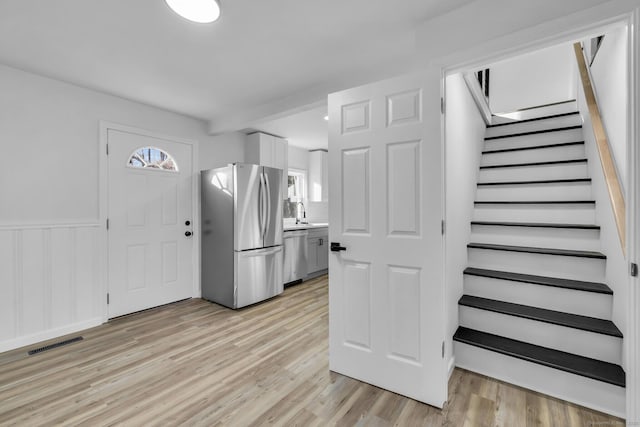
{"x":316,"y":274}
{"x":26,"y":340}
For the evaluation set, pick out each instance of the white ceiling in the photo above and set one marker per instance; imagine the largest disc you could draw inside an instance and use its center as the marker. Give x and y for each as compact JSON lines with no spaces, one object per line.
{"x":260,"y":58}
{"x":307,"y":129}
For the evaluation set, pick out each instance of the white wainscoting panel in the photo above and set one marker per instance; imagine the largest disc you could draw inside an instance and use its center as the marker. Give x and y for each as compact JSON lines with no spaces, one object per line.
{"x":50,"y":284}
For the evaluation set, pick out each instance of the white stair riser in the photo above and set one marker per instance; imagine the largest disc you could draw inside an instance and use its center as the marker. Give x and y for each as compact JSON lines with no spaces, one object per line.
{"x":553,"y":123}
{"x":555,"y":137}
{"x":563,"y":385}
{"x":534,"y":173}
{"x":559,"y":299}
{"x":570,"y":340}
{"x":568,"y":152}
{"x":538,"y":192}
{"x":572,"y":214}
{"x":566,"y":267}
{"x":561,"y":238}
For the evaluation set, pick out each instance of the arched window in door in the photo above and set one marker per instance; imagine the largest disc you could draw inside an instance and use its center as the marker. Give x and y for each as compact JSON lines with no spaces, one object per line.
{"x":152,"y":158}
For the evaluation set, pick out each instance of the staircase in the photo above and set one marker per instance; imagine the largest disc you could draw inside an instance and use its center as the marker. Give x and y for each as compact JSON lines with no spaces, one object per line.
{"x":536,"y":311}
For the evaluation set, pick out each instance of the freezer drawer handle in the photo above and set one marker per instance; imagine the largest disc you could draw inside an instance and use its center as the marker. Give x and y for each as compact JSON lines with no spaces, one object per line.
{"x":335,"y":247}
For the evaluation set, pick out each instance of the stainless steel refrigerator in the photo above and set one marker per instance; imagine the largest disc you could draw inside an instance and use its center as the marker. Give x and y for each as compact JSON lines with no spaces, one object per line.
{"x":241,"y":239}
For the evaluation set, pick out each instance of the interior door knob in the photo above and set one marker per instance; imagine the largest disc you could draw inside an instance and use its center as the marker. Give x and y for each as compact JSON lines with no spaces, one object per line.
{"x":335,"y":247}
{"x":187,"y":233}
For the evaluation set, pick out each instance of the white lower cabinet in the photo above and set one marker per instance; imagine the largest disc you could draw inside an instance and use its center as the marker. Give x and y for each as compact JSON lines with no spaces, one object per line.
{"x":317,"y":250}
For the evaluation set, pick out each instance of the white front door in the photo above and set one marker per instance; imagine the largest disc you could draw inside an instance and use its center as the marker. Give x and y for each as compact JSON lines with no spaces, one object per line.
{"x":150,"y":221}
{"x":386,"y":292}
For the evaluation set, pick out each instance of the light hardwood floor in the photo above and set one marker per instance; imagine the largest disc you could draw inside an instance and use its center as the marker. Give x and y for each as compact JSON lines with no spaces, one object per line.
{"x":196,"y":363}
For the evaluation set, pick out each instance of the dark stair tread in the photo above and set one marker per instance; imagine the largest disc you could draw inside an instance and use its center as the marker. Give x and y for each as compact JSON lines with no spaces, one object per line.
{"x":556,"y":282}
{"x":535,"y":202}
{"x":543,"y":181}
{"x":572,"y":363}
{"x":534,"y":147}
{"x":553,"y":162}
{"x":536,"y":250}
{"x":538,"y":225}
{"x":533,"y":132}
{"x":569,"y":320}
{"x":515,"y":122}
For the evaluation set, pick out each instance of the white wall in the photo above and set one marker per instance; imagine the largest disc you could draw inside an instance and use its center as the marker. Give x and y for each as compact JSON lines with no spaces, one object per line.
{"x":220,"y":150}
{"x":463,"y":150}
{"x":50,"y":275}
{"x":617,"y":277}
{"x":542,"y":77}
{"x":298,"y":158}
{"x":609,"y":74}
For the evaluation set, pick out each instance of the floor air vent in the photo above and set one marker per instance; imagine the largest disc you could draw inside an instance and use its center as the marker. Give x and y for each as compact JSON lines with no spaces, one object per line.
{"x":55,"y":345}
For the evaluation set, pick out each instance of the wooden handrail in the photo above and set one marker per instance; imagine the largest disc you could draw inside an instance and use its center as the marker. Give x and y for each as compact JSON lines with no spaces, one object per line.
{"x":604,"y":149}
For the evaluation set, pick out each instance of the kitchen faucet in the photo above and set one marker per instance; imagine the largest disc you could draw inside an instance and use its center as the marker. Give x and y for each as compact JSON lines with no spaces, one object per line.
{"x":304,"y":214}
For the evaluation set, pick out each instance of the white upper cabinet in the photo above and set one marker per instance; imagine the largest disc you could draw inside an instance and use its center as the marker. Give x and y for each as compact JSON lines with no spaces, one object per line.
{"x":268,"y":150}
{"x":318,"y":176}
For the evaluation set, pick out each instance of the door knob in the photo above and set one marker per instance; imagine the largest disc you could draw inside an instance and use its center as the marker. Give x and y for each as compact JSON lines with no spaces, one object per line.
{"x":335,"y":247}
{"x":187,"y":233}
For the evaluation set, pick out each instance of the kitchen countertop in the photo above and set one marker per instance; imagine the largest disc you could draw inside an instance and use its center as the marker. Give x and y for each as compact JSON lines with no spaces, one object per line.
{"x":291,"y":227}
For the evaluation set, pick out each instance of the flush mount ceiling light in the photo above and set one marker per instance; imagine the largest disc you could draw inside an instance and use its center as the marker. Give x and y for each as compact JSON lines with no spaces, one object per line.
{"x":200,"y":11}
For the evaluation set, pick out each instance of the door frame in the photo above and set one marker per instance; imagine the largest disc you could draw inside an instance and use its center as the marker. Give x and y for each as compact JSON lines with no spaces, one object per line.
{"x":568,"y":29}
{"x":103,"y":209}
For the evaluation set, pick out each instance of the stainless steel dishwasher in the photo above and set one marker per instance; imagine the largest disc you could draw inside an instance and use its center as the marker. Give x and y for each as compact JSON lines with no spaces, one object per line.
{"x":295,"y":256}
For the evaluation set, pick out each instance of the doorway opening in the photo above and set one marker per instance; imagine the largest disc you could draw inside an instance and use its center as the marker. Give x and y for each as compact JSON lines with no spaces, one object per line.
{"x":530,"y":226}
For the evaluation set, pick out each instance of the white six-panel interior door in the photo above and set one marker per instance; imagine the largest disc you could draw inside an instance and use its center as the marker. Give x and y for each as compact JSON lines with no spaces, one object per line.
{"x":150,"y":257}
{"x":386,"y":291}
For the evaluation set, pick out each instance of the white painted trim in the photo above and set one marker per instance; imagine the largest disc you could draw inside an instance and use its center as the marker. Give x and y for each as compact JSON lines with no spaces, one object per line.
{"x":22,"y":341}
{"x":566,"y":29}
{"x":103,"y":250}
{"x":578,"y":26}
{"x":478,"y":97}
{"x":103,"y":198}
{"x":447,"y":340}
{"x":195,"y":219}
{"x":49,"y":225}
{"x":632,"y":334}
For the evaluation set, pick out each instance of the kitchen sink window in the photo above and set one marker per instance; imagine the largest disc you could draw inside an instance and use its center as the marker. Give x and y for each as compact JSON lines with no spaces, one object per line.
{"x":296,"y":188}
{"x":152,"y":158}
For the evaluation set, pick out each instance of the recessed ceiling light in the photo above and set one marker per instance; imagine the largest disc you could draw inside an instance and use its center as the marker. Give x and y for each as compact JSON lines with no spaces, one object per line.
{"x":326,"y":118}
{"x":200,"y":11}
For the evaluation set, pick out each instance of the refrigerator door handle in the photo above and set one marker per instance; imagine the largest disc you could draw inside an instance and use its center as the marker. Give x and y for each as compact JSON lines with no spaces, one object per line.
{"x":260,"y":206}
{"x":268,"y":210}
{"x":261,"y":212}
{"x":263,"y":204}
